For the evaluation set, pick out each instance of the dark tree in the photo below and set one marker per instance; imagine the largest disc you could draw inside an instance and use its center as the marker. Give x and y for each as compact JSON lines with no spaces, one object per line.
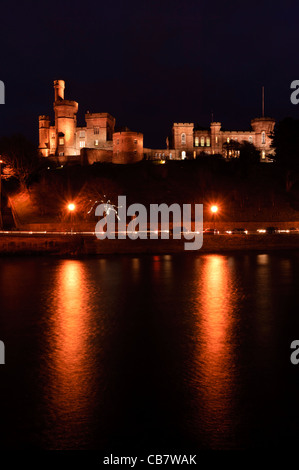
{"x":248,"y":153}
{"x":285,"y":141}
{"x":20,"y":156}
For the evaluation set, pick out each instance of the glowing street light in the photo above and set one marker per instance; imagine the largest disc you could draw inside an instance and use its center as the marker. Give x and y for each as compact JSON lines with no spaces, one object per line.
{"x":71,"y":207}
{"x":214,"y":210}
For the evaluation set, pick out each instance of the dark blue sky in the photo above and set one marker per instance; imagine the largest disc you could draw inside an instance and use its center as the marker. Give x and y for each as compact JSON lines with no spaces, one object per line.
{"x":149,"y":63}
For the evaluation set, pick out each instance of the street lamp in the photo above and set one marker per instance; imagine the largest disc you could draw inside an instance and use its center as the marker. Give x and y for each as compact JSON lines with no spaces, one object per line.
{"x":214,"y":210}
{"x":71,"y":207}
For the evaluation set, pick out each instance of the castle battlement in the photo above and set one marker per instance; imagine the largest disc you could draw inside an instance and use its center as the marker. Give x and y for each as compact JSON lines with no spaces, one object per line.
{"x":65,"y":140}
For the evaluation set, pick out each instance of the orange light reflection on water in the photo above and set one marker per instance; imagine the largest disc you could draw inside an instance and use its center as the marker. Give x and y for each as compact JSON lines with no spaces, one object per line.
{"x":216,"y":352}
{"x":71,"y":370}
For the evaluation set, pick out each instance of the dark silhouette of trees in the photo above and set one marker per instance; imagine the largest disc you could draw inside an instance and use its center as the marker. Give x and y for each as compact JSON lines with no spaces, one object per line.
{"x":249,"y":154}
{"x":285,"y":141}
{"x":20,"y":157}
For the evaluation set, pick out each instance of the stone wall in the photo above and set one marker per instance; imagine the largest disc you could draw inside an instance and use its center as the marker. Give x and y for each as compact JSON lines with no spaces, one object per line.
{"x":127,"y":147}
{"x":90,"y":156}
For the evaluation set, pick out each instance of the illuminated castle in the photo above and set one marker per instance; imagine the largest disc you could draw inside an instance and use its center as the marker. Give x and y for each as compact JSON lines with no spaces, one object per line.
{"x":189,"y":141}
{"x":99,"y":142}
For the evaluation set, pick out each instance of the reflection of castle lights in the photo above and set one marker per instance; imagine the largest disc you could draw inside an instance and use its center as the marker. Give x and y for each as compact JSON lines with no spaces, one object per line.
{"x":217,"y":297}
{"x":70,"y":365}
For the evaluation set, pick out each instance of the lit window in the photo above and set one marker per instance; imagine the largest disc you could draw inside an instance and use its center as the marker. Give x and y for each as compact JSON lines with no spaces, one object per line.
{"x":216,"y":140}
{"x":208,"y":142}
{"x":135,"y":141}
{"x":194,"y":153}
{"x":61,"y":154}
{"x":61,"y":141}
{"x":227,"y":140}
{"x":263,"y":137}
{"x":202,"y":141}
{"x":250,"y":139}
{"x":183,"y":155}
{"x":96,"y":130}
{"x":82,"y":143}
{"x":196,"y":141}
{"x":263,"y":155}
{"x":183,"y":139}
{"x":170,"y":155}
{"x":82,"y":134}
{"x":96,"y":142}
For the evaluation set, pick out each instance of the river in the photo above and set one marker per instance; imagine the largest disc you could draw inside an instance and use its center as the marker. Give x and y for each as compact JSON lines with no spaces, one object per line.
{"x":149,"y":352}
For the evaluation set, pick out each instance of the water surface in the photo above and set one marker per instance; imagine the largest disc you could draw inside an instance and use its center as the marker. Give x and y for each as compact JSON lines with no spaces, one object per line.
{"x":149,"y":352}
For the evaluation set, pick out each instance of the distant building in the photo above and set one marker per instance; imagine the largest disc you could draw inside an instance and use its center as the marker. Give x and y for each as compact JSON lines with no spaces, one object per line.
{"x":189,"y":141}
{"x":99,"y":141}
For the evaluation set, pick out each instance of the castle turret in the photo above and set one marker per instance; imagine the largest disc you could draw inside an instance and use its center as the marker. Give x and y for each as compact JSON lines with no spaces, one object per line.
{"x":216,"y":137}
{"x":182,"y":135}
{"x":65,"y":121}
{"x":44,"y":135}
{"x":59,"y":86}
{"x":127,"y":147}
{"x":262,"y":128}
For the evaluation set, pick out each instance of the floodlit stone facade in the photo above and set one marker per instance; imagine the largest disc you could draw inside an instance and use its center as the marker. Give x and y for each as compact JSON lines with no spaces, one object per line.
{"x":189,"y":141}
{"x":99,"y":141}
{"x":66,"y":142}
{"x":127,"y":147}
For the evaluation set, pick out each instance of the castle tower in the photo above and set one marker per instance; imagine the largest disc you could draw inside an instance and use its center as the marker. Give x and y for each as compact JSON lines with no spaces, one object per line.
{"x":182,"y":135}
{"x":59,"y":86}
{"x":99,"y":126}
{"x":216,"y":143}
{"x":127,"y":147}
{"x":262,"y":128}
{"x":65,"y":121}
{"x":44,"y":135}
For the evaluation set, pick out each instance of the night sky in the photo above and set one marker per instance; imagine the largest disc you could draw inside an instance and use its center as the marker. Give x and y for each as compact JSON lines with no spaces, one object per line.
{"x":151,"y":63}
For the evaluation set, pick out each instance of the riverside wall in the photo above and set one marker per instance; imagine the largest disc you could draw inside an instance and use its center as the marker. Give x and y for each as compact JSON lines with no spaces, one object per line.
{"x":80,"y":245}
{"x":222,"y":226}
